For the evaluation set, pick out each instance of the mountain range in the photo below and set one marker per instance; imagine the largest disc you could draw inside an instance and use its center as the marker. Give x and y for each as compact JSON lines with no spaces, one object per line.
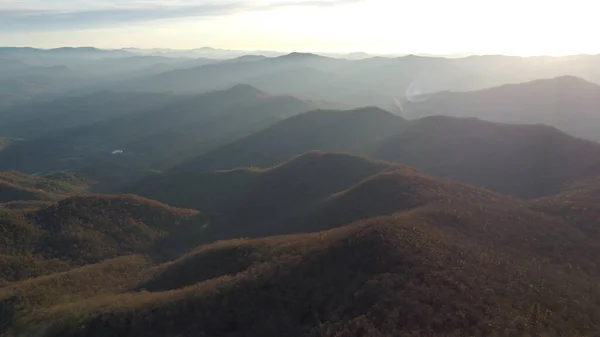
{"x":216,"y":193}
{"x":243,"y":126}
{"x":351,"y":80}
{"x":374,"y":81}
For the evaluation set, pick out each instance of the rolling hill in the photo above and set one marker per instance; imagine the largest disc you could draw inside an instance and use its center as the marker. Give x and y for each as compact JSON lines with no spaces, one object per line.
{"x":240,"y":200}
{"x":577,"y":204}
{"x":319,"y":190}
{"x":524,"y":160}
{"x":400,"y":280}
{"x":567,"y":103}
{"x":391,"y":251}
{"x":82,"y":230}
{"x":16,"y":186}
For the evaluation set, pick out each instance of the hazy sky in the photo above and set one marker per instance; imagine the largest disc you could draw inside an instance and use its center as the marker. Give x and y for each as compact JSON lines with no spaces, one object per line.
{"x":519,"y":27}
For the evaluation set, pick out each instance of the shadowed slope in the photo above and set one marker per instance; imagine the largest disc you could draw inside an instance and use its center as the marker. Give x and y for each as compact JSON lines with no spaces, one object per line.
{"x":523,"y":160}
{"x":318,"y":191}
{"x":328,"y":130}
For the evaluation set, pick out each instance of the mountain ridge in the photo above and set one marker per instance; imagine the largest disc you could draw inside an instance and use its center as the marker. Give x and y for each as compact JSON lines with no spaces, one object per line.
{"x":524,"y":160}
{"x":566,"y":102}
{"x":344,"y":122}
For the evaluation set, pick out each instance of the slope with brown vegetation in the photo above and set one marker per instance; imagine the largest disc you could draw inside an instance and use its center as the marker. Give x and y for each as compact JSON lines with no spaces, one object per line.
{"x":383,"y":276}
{"x":105,"y":278}
{"x":11,"y":192}
{"x":82,"y":230}
{"x":17,"y":186}
{"x":578,"y":204}
{"x":93,"y":228}
{"x":391,"y":252}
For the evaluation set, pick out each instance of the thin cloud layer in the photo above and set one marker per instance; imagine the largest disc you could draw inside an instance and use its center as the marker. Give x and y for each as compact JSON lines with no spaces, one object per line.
{"x":35,"y":15}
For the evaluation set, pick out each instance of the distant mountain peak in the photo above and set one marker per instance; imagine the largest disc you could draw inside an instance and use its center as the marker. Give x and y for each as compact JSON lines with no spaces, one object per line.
{"x":298,"y":55}
{"x":246,"y":89}
{"x":245,"y":58}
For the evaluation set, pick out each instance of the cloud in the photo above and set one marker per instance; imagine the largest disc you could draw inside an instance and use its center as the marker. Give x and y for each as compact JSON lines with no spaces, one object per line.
{"x":36,"y":15}
{"x":109,"y":14}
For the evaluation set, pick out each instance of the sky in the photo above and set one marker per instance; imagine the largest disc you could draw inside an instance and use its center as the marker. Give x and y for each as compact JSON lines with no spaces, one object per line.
{"x":514,"y":27}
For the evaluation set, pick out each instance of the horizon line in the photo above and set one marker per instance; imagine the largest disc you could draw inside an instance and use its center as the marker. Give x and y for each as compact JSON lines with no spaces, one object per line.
{"x":321,"y":53}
